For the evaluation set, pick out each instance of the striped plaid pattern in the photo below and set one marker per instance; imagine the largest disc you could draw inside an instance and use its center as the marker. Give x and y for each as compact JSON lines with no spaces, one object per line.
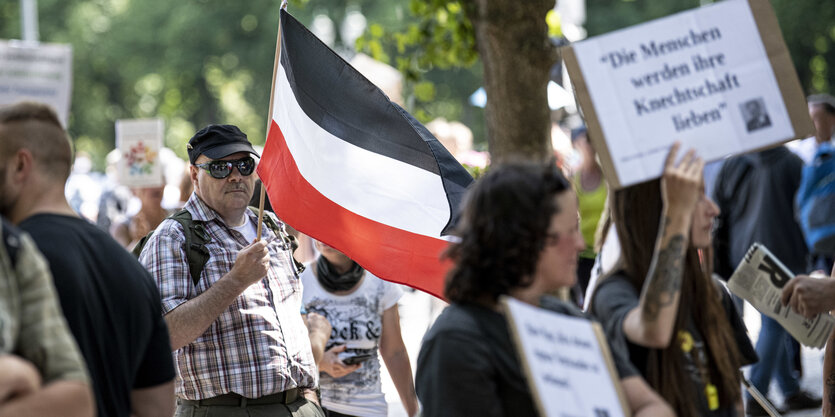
{"x":259,"y":345}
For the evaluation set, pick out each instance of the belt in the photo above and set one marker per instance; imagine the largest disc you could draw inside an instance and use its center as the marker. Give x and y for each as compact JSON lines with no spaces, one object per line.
{"x":236,"y":400}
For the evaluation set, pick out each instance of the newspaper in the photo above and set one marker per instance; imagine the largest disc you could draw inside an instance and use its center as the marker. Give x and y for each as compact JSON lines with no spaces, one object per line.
{"x":760,"y":279}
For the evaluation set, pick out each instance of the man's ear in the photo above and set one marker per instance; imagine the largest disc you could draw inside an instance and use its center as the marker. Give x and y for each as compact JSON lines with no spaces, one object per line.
{"x":193,"y":171}
{"x":21,"y":165}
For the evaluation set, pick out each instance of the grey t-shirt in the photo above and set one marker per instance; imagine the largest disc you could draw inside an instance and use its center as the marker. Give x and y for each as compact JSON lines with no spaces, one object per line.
{"x":615,"y":297}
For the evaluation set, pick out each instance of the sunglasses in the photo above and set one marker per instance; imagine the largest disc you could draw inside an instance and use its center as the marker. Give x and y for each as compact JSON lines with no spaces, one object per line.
{"x":222,"y":169}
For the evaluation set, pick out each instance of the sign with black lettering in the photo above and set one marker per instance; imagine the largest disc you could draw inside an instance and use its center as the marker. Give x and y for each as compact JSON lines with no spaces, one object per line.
{"x":759,"y":279}
{"x":566,"y":361}
{"x":36,"y":72}
{"x":718,"y":78}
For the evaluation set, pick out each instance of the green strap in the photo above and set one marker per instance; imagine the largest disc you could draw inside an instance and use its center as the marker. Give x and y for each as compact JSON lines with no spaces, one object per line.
{"x":196,"y":239}
{"x":195,"y":245}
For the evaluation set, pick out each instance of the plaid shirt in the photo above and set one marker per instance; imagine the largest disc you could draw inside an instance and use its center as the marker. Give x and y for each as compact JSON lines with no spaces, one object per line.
{"x":259,"y":345}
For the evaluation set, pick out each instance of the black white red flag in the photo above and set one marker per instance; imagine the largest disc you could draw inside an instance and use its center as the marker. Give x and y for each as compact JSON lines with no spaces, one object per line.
{"x":346,"y":166}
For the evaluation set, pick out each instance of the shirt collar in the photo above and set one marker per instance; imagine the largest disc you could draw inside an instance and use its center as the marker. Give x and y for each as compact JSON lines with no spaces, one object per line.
{"x":200,"y":211}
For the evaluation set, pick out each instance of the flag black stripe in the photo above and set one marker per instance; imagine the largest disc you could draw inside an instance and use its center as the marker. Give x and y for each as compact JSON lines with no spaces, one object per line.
{"x":344,"y":103}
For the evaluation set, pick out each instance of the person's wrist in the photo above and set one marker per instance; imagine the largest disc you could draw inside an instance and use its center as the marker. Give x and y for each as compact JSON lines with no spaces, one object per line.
{"x":311,"y":395}
{"x":677,"y":218}
{"x":234,"y":280}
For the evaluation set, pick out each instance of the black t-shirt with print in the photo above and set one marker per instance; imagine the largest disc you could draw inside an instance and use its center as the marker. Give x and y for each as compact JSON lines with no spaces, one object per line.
{"x":615,"y":297}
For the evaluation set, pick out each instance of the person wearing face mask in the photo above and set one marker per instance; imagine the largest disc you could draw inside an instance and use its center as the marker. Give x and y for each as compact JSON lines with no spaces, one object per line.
{"x":363,"y":313}
{"x":680,"y":325}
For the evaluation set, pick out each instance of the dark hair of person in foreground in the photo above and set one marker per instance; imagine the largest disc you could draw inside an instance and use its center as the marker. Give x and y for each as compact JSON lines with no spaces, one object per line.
{"x":503,"y":230}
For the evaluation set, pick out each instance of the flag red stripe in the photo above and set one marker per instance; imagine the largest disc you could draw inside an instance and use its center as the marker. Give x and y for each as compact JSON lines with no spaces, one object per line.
{"x":399,"y":256}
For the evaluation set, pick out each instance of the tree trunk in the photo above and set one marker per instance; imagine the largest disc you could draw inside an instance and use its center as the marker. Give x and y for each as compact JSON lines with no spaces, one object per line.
{"x":512,"y":40}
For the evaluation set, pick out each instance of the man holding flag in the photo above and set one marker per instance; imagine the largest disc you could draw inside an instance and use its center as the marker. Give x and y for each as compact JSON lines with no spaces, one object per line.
{"x":241,"y":347}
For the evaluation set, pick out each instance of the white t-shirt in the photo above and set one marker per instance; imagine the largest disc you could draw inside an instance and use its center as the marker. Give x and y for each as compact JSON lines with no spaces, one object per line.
{"x":356,"y":319}
{"x":247,"y":230}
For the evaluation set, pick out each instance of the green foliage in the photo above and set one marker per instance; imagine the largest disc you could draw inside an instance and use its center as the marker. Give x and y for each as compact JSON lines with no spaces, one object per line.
{"x":210,"y":61}
{"x":475,"y":171}
{"x":440,"y":36}
{"x":809,"y":30}
{"x":191,"y":63}
{"x":435,"y":51}
{"x":604,"y":16}
{"x":197,"y":62}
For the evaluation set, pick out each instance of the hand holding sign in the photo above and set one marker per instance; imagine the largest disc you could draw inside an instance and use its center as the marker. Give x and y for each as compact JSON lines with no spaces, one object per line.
{"x":681,"y":183}
{"x":763,"y":281}
{"x":809,"y":295}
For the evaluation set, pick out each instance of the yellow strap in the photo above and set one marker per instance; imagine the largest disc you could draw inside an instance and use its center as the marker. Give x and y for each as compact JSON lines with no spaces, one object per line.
{"x":712,"y":396}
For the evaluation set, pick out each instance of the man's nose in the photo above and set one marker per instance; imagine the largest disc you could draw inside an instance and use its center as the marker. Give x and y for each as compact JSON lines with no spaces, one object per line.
{"x":234,"y":174}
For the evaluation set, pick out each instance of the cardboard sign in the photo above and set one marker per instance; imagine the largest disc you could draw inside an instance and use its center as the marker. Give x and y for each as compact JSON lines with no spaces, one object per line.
{"x":567,"y":362}
{"x":36,"y":72}
{"x":139,"y":142}
{"x":718,"y":78}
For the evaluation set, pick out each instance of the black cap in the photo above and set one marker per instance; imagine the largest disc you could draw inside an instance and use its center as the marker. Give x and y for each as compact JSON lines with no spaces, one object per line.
{"x":218,"y":141}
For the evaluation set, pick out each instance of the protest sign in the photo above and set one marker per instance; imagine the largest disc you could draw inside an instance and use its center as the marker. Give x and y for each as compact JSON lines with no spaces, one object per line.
{"x":139,"y":142}
{"x":718,"y":78}
{"x":566,"y":361}
{"x":760,"y":279}
{"x":36,"y":72}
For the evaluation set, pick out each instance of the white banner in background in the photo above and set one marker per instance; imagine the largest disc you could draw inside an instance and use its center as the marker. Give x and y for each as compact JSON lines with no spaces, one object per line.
{"x":705,"y":77}
{"x":39,"y":72}
{"x":139,"y":142}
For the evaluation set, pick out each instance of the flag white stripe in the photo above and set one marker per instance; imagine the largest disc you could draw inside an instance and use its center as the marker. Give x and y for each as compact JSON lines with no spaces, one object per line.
{"x":371,"y":185}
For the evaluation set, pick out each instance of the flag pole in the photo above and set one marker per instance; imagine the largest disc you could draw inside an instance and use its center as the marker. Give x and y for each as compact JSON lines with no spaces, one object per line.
{"x":760,"y":398}
{"x":270,"y":119}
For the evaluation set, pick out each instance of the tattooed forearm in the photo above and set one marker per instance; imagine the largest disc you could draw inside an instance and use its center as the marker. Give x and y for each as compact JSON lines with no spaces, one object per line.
{"x":829,"y":389}
{"x":665,"y":275}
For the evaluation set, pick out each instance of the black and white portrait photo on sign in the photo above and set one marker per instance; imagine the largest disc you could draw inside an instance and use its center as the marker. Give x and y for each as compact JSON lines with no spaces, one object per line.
{"x":754,"y":113}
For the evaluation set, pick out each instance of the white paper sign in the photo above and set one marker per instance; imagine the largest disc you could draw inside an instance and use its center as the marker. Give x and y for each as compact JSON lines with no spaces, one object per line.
{"x":702,"y":77}
{"x":139,"y":142}
{"x":568,"y":371}
{"x":760,"y":278}
{"x":36,"y":72}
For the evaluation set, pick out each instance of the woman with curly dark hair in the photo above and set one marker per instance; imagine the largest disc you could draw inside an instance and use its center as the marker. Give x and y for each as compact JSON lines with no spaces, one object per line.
{"x":519,"y":237}
{"x":681,"y":328}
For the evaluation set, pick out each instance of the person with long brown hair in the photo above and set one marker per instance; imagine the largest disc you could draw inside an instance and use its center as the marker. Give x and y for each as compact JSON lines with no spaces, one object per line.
{"x":680,"y":326}
{"x":519,"y":236}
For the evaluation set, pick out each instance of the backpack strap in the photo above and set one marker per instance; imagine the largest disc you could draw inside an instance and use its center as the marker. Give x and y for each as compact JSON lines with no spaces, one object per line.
{"x":195,"y":245}
{"x":196,"y":239}
{"x":11,"y":241}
